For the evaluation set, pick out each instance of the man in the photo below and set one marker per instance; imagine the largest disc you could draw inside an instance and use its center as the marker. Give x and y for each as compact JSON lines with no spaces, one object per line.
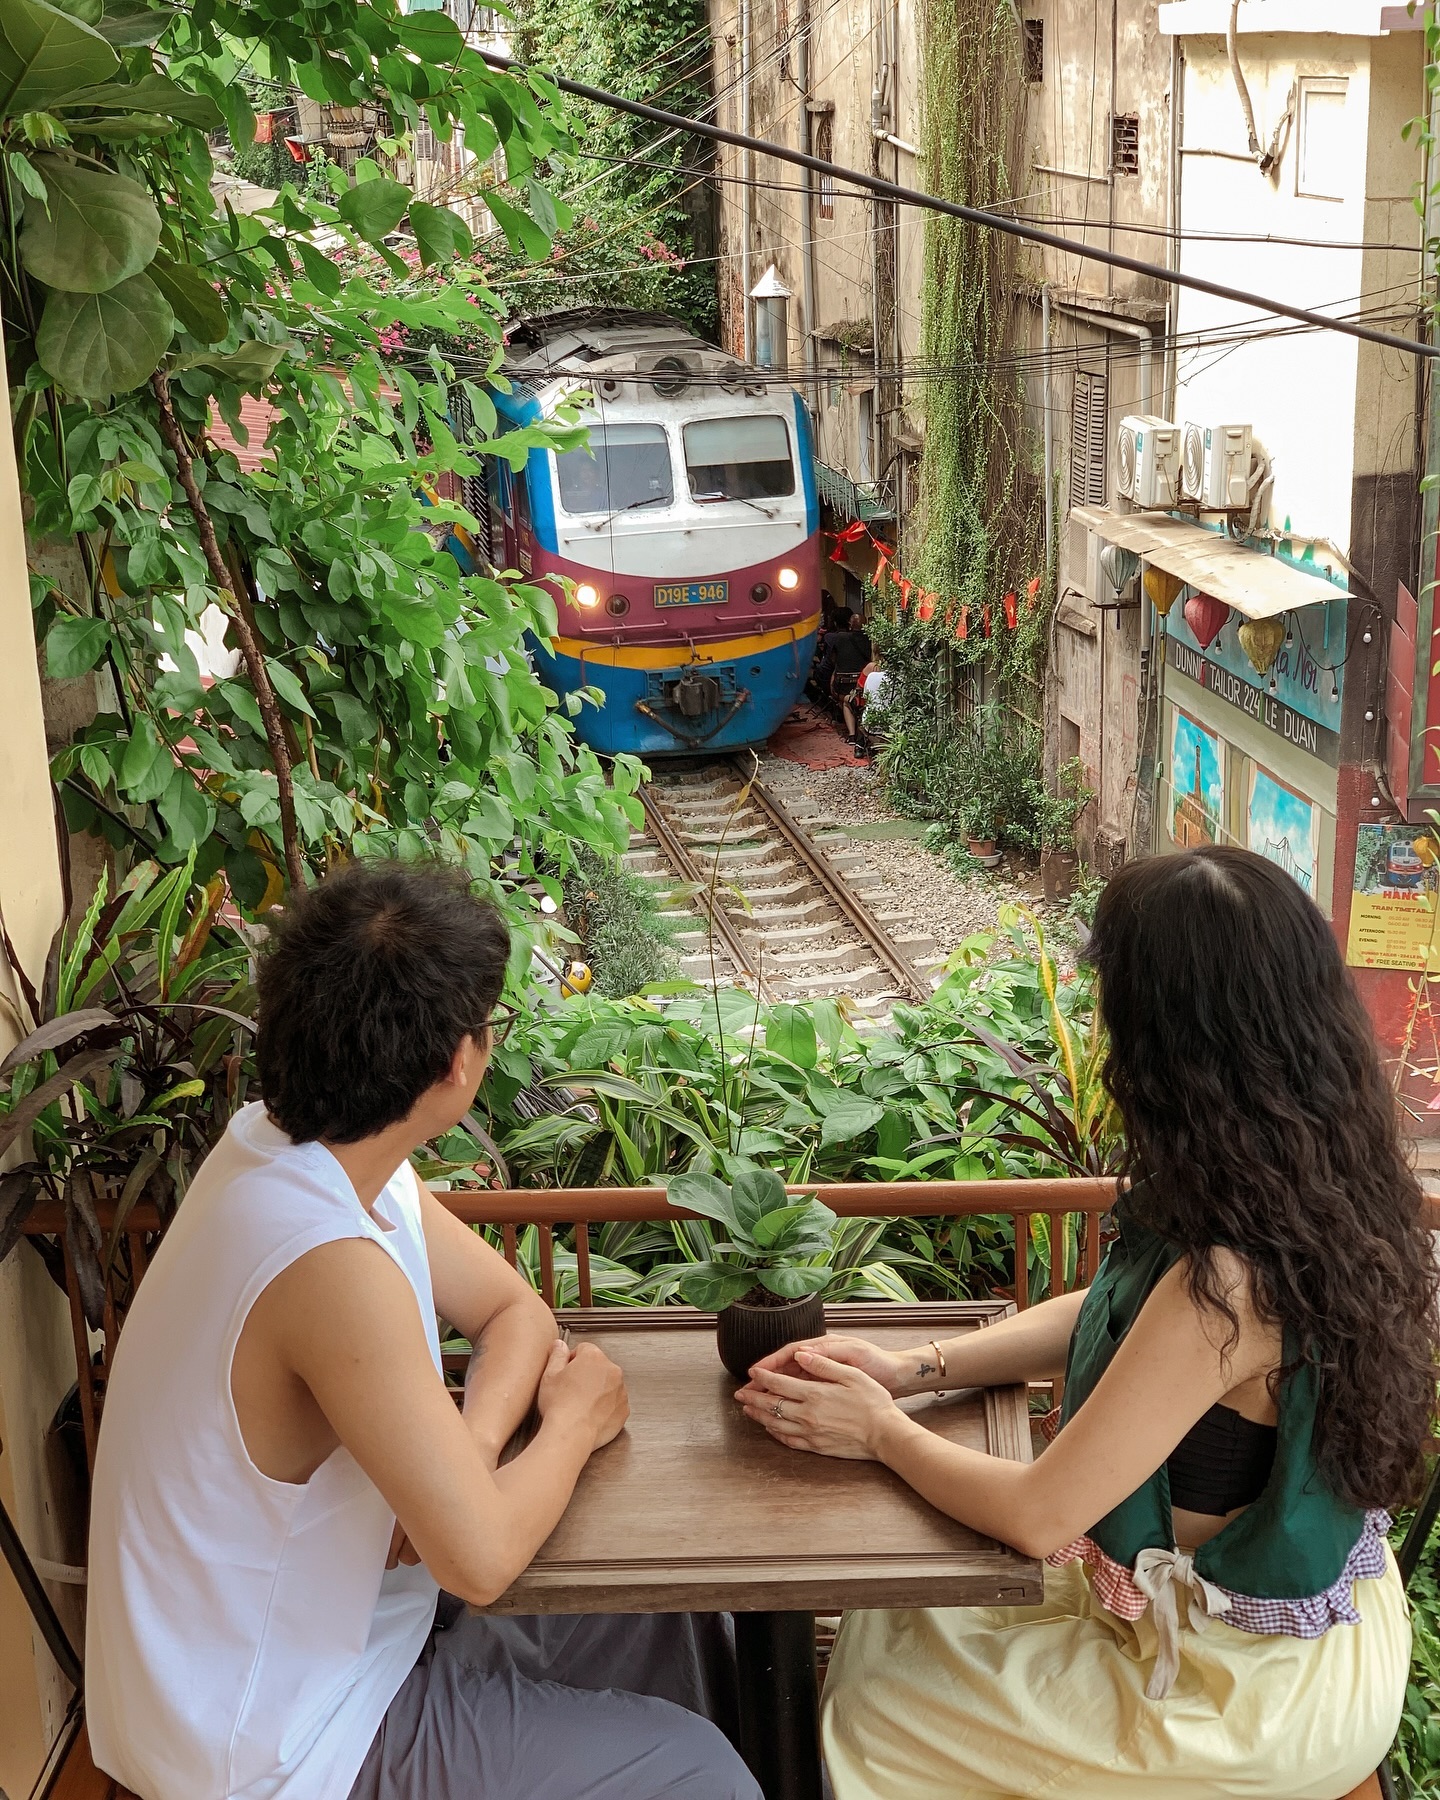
{"x":850,"y":650}
{"x":283,"y":1485}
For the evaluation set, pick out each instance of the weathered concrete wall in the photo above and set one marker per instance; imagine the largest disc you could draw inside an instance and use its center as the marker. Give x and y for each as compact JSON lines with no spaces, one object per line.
{"x":36,"y":1358}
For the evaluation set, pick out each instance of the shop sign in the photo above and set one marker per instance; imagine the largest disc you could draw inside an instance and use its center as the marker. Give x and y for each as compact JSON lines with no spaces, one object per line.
{"x":1267,"y":710}
{"x":1392,"y":906}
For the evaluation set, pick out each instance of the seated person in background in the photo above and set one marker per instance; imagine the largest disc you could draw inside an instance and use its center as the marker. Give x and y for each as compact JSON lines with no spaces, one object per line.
{"x":284,"y":1486}
{"x":871,"y":692}
{"x":822,"y":666}
{"x":850,"y":651}
{"x":1249,"y":1385}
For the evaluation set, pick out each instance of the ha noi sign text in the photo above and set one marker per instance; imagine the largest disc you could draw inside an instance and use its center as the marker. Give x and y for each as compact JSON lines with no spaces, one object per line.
{"x":1265,"y":709}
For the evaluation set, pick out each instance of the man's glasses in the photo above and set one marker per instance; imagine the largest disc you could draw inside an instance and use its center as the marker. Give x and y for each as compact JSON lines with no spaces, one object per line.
{"x":500,"y":1023}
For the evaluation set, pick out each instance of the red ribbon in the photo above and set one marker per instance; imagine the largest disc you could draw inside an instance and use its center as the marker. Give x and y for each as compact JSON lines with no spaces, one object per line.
{"x":905,"y":584}
{"x":1032,"y":591}
{"x":848,"y":534}
{"x":882,"y":558}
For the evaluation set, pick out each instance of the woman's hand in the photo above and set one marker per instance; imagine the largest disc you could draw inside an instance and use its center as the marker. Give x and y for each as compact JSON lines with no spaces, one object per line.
{"x":892,"y":1369}
{"x":831,"y":1408}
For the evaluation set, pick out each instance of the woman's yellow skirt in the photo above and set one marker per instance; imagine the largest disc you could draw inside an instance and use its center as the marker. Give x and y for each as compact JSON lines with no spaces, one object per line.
{"x":995,"y":1704}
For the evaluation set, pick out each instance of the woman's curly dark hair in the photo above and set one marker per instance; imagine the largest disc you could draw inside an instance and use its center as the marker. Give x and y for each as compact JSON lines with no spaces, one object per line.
{"x":1256,"y":1108}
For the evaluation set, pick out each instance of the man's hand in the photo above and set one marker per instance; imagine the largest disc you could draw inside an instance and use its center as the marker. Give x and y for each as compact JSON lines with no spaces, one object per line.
{"x":401,"y":1549}
{"x":894,"y":1370}
{"x":583,"y":1385}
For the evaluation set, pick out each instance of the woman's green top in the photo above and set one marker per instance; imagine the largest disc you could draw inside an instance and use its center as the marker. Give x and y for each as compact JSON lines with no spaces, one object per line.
{"x":1296,"y":1540}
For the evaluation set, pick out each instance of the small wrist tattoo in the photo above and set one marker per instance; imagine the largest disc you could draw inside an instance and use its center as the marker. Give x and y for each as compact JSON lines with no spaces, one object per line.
{"x":925,"y":1368}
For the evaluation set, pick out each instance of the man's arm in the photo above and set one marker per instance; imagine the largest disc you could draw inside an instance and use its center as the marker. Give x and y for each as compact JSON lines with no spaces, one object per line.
{"x":510,"y":1328}
{"x":344,"y":1319}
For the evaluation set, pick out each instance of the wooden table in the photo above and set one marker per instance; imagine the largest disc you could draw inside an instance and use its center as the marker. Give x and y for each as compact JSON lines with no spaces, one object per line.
{"x":695,"y":1509}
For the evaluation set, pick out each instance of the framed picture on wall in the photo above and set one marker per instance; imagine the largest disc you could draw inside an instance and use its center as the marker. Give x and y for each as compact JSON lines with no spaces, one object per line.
{"x":1284,"y":826}
{"x":1197,"y":782}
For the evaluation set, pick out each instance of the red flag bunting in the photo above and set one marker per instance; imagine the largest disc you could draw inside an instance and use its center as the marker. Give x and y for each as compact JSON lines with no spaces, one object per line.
{"x":1010,"y":610}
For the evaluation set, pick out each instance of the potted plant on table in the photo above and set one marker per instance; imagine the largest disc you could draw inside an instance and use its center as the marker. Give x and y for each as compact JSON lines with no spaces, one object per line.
{"x":765,"y":1279}
{"x":1058,"y":813}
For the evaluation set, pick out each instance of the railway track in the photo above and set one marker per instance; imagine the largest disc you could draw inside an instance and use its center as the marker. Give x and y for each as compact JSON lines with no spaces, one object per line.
{"x":773,"y":900}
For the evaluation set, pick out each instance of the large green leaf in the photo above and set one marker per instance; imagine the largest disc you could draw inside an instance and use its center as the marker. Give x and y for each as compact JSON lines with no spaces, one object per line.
{"x":712,"y":1286}
{"x":849,"y":1116}
{"x":374,"y":208}
{"x":790,"y":1032}
{"x":250,"y":364}
{"x":794,"y":1284}
{"x":756,"y":1192}
{"x":74,"y":646}
{"x":442,"y":235}
{"x":96,"y":345}
{"x":521,"y":232}
{"x":127,"y":27}
{"x":193,"y":299}
{"x":151,"y":94}
{"x":703,"y":1194}
{"x":45,"y":55}
{"x":100,"y":228}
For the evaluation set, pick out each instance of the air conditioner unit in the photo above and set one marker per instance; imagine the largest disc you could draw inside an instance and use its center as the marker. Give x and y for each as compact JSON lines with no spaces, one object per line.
{"x":1217,"y":465}
{"x":1149,"y":461}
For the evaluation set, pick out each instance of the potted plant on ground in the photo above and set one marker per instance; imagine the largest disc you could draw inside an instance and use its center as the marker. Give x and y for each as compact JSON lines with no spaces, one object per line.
{"x":765,"y":1279}
{"x":980,"y":781}
{"x":1058,"y":813}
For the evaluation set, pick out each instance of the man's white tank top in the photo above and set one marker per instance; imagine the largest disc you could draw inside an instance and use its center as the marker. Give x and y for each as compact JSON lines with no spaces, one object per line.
{"x":244,"y":1637}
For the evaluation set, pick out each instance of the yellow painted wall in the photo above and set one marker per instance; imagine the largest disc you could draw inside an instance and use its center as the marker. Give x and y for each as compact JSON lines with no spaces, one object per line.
{"x":36,"y":1360}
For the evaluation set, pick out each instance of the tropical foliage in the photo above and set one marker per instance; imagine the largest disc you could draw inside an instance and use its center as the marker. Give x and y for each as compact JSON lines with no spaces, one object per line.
{"x":382,"y":702}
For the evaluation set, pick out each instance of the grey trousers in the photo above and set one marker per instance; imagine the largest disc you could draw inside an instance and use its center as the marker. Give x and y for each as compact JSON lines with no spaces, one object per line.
{"x":616,"y":1707}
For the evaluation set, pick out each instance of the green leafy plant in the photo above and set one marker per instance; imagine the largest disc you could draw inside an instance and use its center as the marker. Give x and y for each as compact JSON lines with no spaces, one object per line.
{"x":1057,"y":813}
{"x":626,"y":940}
{"x":382,"y":703}
{"x":772,"y":1244}
{"x":137,"y":1054}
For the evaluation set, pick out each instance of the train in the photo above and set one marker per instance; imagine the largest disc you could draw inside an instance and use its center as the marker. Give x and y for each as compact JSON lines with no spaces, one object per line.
{"x":689,"y":530}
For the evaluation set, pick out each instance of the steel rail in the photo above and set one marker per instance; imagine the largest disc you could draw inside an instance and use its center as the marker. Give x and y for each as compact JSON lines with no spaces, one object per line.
{"x":972,"y":215}
{"x":676,"y":853}
{"x":854,"y":909}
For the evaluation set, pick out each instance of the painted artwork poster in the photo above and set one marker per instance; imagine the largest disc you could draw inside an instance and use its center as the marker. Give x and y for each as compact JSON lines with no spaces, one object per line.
{"x":1197,"y":782}
{"x":1392,"y":908}
{"x":1283,"y":826}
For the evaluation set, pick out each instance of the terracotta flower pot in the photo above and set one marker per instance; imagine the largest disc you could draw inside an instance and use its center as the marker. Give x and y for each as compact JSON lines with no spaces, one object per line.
{"x":745,"y":1333}
{"x":984,"y":851}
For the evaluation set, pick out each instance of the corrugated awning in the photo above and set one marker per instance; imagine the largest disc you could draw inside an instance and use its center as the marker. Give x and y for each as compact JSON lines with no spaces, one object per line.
{"x":849,"y":500}
{"x":1255,"y":584}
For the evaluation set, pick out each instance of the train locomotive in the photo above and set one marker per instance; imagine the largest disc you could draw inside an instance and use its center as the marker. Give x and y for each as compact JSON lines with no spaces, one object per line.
{"x":689,"y":528}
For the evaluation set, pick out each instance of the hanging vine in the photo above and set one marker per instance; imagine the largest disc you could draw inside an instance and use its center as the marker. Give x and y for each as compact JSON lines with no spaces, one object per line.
{"x":978,"y":607}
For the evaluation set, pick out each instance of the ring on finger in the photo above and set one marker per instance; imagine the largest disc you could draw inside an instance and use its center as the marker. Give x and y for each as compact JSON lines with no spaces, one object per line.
{"x":778,"y":1410}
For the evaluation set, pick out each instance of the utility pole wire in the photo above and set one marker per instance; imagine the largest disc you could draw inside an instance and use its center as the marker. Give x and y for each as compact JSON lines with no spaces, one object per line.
{"x":972,"y":215}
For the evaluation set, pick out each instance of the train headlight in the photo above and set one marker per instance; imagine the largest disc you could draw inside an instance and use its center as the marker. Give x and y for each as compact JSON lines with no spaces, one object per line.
{"x":789,"y":579}
{"x":587,"y":594}
{"x":760,"y":593}
{"x":617,"y":606}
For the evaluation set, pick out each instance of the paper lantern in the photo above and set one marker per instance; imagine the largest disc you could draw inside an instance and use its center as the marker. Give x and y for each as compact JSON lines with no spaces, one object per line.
{"x":1204,"y":614}
{"x":1261,"y":639}
{"x":1163,"y":588}
{"x":1120,"y":567}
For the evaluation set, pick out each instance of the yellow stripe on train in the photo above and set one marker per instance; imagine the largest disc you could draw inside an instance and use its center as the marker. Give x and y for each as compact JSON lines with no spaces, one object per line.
{"x":665,"y":656}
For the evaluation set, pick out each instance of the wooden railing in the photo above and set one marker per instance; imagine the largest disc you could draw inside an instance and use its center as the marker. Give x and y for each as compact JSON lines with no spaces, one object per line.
{"x":511,"y":1210}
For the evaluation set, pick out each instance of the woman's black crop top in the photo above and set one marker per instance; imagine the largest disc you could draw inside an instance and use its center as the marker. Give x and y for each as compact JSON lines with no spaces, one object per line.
{"x":1222,"y":1462}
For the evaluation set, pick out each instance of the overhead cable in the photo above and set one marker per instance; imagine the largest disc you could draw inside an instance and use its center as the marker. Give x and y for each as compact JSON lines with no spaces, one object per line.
{"x":972,"y":215}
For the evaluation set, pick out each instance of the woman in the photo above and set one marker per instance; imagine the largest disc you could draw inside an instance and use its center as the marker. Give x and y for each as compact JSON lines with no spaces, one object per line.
{"x":1249,"y":1385}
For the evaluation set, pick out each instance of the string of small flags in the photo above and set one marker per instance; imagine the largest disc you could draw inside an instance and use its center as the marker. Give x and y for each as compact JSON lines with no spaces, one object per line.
{"x":954,"y":615}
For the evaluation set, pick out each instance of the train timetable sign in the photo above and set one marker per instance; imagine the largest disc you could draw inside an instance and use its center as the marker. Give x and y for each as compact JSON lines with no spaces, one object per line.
{"x":1265,"y":709}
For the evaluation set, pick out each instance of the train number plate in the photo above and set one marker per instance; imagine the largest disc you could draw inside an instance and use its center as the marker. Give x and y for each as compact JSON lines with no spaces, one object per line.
{"x":693,"y":593}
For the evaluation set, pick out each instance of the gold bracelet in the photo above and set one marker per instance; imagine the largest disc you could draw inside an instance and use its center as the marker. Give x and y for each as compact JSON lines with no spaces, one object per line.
{"x":939,"y":1357}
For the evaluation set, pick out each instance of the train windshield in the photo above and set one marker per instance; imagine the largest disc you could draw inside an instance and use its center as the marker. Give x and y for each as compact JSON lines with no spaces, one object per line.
{"x":624,"y":466}
{"x":739,"y":459}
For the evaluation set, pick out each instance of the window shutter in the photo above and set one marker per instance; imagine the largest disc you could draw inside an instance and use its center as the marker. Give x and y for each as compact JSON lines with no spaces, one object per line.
{"x":1089,"y":439}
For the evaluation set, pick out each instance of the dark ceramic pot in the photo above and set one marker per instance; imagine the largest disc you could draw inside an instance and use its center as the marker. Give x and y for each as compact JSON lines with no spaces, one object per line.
{"x":743,"y":1334}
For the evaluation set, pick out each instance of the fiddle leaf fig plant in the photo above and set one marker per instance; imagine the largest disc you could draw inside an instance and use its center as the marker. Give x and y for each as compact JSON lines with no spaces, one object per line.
{"x":775,"y":1244}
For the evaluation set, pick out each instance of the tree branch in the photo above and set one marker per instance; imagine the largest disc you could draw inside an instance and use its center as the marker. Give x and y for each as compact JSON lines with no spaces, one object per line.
{"x":250,"y":650}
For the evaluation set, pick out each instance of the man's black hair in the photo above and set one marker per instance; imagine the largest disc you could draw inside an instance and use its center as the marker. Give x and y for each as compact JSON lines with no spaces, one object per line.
{"x":369,"y":982}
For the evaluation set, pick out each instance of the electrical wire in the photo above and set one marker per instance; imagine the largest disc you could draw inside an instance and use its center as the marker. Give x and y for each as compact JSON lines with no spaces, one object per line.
{"x":979,"y":216}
